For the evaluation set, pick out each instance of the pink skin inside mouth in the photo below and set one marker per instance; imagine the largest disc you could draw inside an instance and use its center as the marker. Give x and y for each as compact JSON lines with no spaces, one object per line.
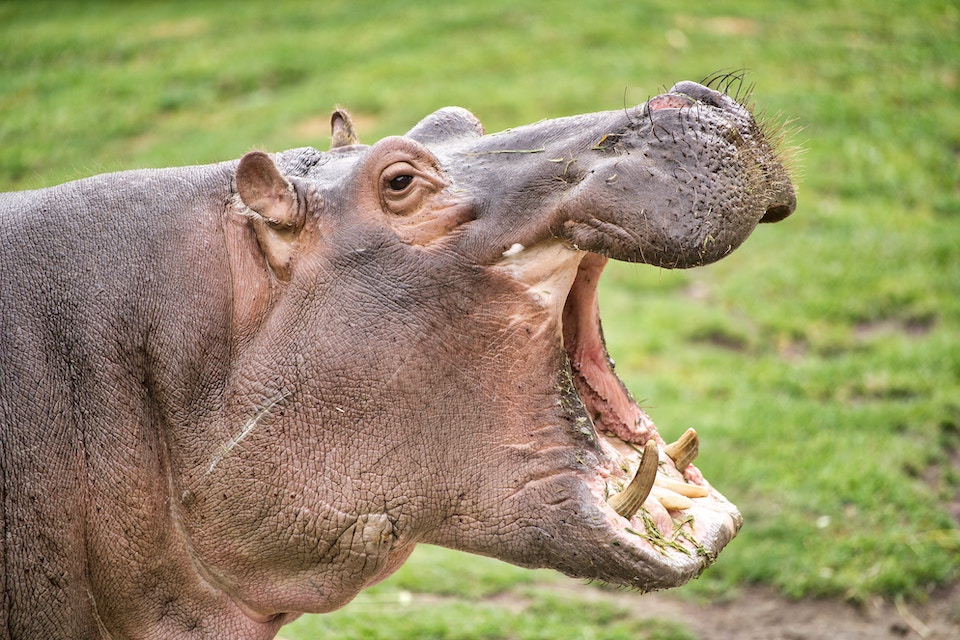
{"x":612,"y":409}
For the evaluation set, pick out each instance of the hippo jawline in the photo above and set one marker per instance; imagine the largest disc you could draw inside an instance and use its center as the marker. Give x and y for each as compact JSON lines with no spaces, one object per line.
{"x":666,"y":521}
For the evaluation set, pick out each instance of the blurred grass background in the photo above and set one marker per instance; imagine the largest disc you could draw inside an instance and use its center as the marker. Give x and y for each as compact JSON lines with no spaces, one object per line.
{"x":820,"y":363}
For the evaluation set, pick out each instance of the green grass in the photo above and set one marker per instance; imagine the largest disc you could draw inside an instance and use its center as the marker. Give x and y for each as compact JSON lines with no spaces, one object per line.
{"x":821,"y":363}
{"x":446,"y":595}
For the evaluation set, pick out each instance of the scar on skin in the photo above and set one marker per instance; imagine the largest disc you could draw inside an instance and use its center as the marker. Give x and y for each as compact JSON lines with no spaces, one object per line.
{"x":245,"y":431}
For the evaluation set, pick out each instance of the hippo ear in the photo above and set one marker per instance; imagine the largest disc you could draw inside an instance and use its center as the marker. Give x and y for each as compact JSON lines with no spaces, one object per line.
{"x":281,"y":211}
{"x":341,"y":129}
{"x":449,"y":123}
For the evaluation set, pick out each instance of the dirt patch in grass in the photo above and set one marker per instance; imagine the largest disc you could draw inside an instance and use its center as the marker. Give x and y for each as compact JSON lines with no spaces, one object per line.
{"x":761,"y":614}
{"x":757,"y":613}
{"x":914,"y":327}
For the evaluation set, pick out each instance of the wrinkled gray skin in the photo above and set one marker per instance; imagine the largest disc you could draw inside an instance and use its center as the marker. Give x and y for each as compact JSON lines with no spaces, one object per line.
{"x":237,"y":392}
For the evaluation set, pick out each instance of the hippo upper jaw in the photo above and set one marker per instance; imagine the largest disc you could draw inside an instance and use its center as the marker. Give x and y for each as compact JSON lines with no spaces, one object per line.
{"x":679,"y":523}
{"x":677,"y":182}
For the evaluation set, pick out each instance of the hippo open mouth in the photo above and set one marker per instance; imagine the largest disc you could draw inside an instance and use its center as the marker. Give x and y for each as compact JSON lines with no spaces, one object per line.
{"x":662,"y":502}
{"x":657,"y":507}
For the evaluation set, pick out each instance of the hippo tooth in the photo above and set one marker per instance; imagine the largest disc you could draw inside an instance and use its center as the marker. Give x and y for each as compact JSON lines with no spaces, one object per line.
{"x":628,"y":502}
{"x":683,"y":488}
{"x":514,"y":249}
{"x":684,"y":450}
{"x":672,"y":501}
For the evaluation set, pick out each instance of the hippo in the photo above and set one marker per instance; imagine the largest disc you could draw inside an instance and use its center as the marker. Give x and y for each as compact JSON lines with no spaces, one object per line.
{"x":236,"y":393}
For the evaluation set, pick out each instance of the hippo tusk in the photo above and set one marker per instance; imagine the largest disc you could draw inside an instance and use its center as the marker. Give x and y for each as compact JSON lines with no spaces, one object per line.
{"x":685,"y":450}
{"x":628,"y":502}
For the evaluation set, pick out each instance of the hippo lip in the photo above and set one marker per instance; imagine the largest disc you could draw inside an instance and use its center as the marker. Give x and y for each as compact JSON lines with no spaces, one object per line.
{"x":678,"y":522}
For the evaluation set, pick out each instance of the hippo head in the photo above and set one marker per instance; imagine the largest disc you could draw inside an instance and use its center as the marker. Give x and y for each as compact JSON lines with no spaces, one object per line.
{"x":420,"y":358}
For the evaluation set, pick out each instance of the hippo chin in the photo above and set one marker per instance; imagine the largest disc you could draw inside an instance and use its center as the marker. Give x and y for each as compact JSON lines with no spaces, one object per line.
{"x":243,"y":391}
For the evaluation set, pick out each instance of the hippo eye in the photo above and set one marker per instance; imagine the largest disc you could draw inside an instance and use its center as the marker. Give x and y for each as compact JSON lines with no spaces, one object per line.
{"x":403,"y":186}
{"x":401,"y":182}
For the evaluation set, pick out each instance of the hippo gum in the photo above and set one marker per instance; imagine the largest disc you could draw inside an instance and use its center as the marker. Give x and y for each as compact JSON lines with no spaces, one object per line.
{"x":239,"y":392}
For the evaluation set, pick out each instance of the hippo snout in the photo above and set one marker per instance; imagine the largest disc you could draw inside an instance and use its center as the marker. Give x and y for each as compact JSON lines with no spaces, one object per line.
{"x":781,"y":194}
{"x":682,"y":181}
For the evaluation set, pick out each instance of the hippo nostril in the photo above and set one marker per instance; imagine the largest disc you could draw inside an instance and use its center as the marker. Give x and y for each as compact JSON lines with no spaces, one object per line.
{"x":777,"y":212}
{"x":669,"y":101}
{"x":699,"y":92}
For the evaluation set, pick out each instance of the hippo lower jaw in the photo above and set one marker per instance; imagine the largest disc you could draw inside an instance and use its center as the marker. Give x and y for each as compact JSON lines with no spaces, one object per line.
{"x":671,"y":524}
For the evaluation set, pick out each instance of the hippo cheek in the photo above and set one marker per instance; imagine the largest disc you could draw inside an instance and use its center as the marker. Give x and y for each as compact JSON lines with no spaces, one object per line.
{"x":634,"y":511}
